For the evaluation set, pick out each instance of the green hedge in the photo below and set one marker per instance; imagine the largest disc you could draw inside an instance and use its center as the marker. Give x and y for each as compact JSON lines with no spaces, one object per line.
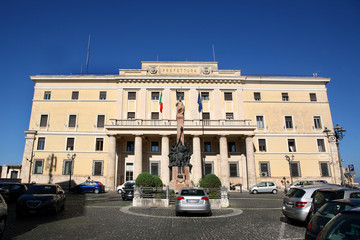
{"x":210,"y":181}
{"x":145,"y":179}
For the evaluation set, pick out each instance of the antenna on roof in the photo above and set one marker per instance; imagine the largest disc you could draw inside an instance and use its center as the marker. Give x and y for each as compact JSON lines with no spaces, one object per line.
{"x":213,"y":48}
{"x":157,"y":58}
{"x":88,"y":56}
{"x":315,"y":74}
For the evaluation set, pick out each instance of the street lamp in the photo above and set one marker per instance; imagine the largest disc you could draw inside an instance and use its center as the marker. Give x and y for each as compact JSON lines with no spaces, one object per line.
{"x":71,"y":159}
{"x":290,"y":159}
{"x":339,"y":133}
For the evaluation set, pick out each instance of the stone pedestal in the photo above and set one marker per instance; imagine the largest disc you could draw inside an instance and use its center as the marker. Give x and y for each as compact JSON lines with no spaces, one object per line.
{"x":177,"y":182}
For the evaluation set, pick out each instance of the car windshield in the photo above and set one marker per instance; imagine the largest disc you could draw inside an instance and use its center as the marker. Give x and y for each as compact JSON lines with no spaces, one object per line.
{"x":331,"y":209}
{"x":41,"y":189}
{"x":129,"y":185}
{"x":294,"y":192}
{"x":322,"y":197}
{"x":345,"y":227}
{"x":192,"y":192}
{"x":4,"y":186}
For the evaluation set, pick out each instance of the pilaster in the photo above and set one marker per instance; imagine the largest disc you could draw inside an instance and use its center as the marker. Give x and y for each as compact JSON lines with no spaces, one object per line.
{"x":28,"y":156}
{"x":196,"y":160}
{"x":224,"y":164}
{"x":250,"y":159}
{"x":165,"y":171}
{"x":111,"y":164}
{"x":138,"y":156}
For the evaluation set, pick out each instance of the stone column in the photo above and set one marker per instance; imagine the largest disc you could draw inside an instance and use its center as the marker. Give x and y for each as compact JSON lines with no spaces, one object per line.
{"x":224,"y":164}
{"x":27,"y":156}
{"x":110,"y":177}
{"x":250,"y":159}
{"x":165,"y":170}
{"x":138,"y":156}
{"x":196,"y":160}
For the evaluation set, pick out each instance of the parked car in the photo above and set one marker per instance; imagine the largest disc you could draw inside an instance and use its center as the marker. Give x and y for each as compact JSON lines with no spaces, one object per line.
{"x":264,"y":187}
{"x":3,"y":214}
{"x":304,"y":183}
{"x":128,"y":191}
{"x":297,"y":202}
{"x":326,"y":213}
{"x":192,"y":200}
{"x":121,"y":186}
{"x":40,"y":198}
{"x":12,"y":191}
{"x":323,"y":196}
{"x":88,"y":186}
{"x":345,"y":225}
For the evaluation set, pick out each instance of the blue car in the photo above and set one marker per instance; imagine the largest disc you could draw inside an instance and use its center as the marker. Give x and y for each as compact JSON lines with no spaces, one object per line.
{"x":89,"y":186}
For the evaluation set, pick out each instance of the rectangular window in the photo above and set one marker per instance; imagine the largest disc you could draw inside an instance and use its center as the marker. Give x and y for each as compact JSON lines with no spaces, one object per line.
{"x":47,"y":95}
{"x":75,"y":95}
{"x":206,"y":115}
{"x":180,"y":95}
{"x":207,"y":146}
{"x":154,"y":168}
{"x":131,"y":95}
{"x":208,"y":168}
{"x":99,"y":144}
{"x":321,"y":145}
{"x":228,"y":96}
{"x":154,"y":146}
{"x":130,"y":146}
{"x":285,"y":97}
{"x":38,"y":166}
{"x":205,"y":96}
{"x":260,"y":122}
{"x":67,"y":167}
{"x":97,"y":168}
{"x":231,"y":147}
{"x":43,"y":120}
{"x":288,"y":122}
{"x":264,"y":169}
{"x":233,"y":170}
{"x":229,"y":116}
{"x":262,"y":145}
{"x":155,"y":115}
{"x":129,"y":171}
{"x":41,"y":143}
{"x":100,"y":121}
{"x":102,"y":95}
{"x":154,"y":95}
{"x":70,"y":144}
{"x":295,"y":169}
{"x":291,"y":144}
{"x":325,"y":170}
{"x":313,"y":97}
{"x":317,"y":122}
{"x":72,"y":121}
{"x":131,"y":115}
{"x":257,"y":96}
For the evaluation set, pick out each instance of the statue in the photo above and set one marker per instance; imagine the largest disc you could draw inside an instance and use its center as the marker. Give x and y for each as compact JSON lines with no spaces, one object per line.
{"x":180,"y":152}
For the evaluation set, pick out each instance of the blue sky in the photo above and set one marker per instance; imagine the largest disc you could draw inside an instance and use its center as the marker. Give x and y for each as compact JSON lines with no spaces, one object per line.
{"x":259,"y":37}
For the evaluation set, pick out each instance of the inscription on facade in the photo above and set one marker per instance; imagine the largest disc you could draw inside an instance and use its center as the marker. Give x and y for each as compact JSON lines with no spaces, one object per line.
{"x":179,"y":70}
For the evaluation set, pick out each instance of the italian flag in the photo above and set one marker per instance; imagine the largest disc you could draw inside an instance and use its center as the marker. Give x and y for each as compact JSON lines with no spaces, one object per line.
{"x":161,"y":103}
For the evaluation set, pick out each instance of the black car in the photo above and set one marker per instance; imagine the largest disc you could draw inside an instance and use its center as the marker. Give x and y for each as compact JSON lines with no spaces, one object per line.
{"x":345,"y":225}
{"x":128,"y":191}
{"x":326,"y":213}
{"x":12,"y":191}
{"x":40,"y":198}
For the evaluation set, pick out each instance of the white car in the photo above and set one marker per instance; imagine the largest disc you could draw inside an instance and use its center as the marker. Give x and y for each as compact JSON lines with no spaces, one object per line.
{"x":120,"y":188}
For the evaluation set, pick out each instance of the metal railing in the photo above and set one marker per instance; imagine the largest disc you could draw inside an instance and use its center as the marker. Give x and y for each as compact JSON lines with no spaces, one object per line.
{"x":167,"y":122}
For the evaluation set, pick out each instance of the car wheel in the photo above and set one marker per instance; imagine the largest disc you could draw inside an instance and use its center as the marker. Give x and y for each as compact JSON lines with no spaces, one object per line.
{"x":254,"y":191}
{"x":2,"y":226}
{"x":274,"y":191}
{"x":96,"y":191}
{"x":119,"y":191}
{"x":209,"y":213}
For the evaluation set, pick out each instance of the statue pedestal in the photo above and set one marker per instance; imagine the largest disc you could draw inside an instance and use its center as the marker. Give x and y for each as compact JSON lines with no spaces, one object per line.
{"x":179,"y":182}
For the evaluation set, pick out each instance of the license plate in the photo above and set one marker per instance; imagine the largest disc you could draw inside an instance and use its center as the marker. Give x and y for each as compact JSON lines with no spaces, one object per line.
{"x":192,"y":201}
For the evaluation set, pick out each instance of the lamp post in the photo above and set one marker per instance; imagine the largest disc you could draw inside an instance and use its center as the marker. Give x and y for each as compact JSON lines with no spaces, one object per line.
{"x":339,"y":133}
{"x":290,"y":159}
{"x":71,"y":159}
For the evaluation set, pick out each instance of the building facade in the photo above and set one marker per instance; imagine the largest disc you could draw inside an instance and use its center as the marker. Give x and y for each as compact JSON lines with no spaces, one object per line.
{"x":110,"y":127}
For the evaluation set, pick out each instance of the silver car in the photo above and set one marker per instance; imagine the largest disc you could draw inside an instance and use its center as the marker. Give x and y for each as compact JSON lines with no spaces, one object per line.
{"x":297,"y":202}
{"x":304,"y":183}
{"x":192,"y":200}
{"x":263,"y":187}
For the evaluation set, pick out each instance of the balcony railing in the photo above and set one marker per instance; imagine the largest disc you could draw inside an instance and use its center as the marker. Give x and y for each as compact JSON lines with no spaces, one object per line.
{"x":166,"y":122}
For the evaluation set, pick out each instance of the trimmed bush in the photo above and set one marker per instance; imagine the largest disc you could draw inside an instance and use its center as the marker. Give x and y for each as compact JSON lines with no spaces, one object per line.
{"x":210,"y":181}
{"x":145,"y":179}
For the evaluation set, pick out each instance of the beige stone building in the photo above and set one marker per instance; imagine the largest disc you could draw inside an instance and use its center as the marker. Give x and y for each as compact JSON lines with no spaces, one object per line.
{"x":247,"y":127}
